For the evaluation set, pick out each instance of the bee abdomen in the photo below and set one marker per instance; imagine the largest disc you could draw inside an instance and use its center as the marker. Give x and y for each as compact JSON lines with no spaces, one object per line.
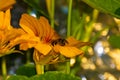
{"x":60,"y":42}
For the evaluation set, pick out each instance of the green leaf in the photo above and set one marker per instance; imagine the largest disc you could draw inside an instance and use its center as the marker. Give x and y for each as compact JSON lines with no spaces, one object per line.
{"x":108,"y":6}
{"x":51,"y":75}
{"x":114,"y":40}
{"x":54,"y":75}
{"x":77,"y":24}
{"x":18,"y":77}
{"x":27,"y":70}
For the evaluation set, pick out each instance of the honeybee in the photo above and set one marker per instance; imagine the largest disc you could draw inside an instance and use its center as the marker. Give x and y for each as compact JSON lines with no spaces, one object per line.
{"x":59,"y":41}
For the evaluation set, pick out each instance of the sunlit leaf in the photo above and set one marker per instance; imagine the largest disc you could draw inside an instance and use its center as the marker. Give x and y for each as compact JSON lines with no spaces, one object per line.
{"x":108,"y":6}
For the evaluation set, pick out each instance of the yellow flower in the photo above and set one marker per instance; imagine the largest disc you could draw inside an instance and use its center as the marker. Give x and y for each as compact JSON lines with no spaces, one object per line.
{"x":6,"y":4}
{"x":38,"y":34}
{"x":7,"y":34}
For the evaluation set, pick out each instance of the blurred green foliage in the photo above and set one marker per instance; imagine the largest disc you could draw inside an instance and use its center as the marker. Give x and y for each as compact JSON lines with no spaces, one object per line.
{"x":27,"y":70}
{"x":114,"y":40}
{"x":48,"y":75}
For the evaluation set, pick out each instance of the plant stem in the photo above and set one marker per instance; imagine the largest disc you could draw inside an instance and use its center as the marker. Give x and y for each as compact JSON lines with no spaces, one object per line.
{"x":90,"y":26}
{"x":52,"y":13}
{"x":69,"y":18}
{"x":39,"y":69}
{"x":67,"y":67}
{"x":68,"y":32}
{"x":4,"y":69}
{"x":28,"y":57}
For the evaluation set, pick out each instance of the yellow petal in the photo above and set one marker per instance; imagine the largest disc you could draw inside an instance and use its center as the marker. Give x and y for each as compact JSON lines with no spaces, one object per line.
{"x":56,"y":48}
{"x":49,"y":31}
{"x":7,"y":19}
{"x":27,"y":45}
{"x":70,"y":51}
{"x":1,"y":19}
{"x":2,"y":37}
{"x":27,"y":29}
{"x":46,"y":27}
{"x":13,"y":33}
{"x":24,"y":46}
{"x":27,"y":40}
{"x":43,"y":48}
{"x":32,"y":23}
{"x":73,"y":42}
{"x":5,"y":4}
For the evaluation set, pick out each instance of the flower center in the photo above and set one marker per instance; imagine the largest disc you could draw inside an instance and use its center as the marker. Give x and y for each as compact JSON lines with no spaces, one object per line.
{"x":47,"y":40}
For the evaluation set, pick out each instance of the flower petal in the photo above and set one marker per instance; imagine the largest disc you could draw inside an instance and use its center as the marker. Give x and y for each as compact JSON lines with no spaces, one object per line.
{"x":25,"y":40}
{"x":5,"y":20}
{"x":13,"y":33}
{"x":26,"y":29}
{"x":5,"y":4}
{"x":32,"y":23}
{"x":49,"y":32}
{"x":43,"y":48}
{"x":70,"y":51}
{"x":73,"y":42}
{"x":1,"y":19}
{"x":24,"y":46}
